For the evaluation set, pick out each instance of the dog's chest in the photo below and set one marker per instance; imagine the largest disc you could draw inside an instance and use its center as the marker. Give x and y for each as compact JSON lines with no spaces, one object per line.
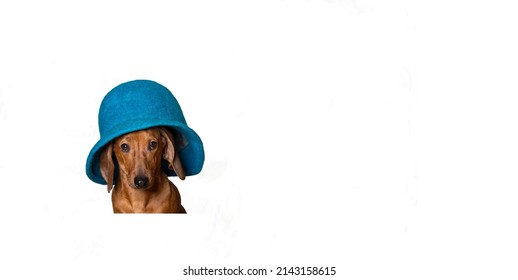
{"x":137,"y":201}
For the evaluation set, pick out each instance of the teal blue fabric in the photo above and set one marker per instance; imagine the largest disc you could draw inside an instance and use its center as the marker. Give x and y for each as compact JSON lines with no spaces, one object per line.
{"x":138,"y":105}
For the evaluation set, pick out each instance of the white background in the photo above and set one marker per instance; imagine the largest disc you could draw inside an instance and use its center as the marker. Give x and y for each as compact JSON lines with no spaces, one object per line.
{"x":379,"y":137}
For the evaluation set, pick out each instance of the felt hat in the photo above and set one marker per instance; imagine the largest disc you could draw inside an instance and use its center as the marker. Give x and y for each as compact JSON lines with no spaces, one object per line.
{"x":138,"y":105}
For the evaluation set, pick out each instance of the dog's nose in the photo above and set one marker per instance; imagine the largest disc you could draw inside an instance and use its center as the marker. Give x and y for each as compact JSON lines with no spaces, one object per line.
{"x":141,"y":182}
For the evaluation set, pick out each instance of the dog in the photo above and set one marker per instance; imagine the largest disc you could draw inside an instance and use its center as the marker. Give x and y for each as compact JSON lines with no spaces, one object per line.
{"x":141,"y":186}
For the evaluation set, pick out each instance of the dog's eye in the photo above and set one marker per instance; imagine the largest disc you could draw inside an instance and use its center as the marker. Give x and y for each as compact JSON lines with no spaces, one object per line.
{"x":152,"y":145}
{"x":125,"y":147}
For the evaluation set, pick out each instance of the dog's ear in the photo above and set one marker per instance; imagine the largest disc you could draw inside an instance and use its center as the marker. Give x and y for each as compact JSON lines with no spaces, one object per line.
{"x":170,"y":154}
{"x":107,"y":166}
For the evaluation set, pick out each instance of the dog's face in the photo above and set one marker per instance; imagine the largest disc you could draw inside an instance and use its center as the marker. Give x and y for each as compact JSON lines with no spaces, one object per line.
{"x":139,"y":156}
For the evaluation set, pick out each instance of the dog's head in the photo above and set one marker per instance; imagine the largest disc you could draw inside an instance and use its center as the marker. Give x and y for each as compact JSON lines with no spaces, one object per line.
{"x":139,"y":156}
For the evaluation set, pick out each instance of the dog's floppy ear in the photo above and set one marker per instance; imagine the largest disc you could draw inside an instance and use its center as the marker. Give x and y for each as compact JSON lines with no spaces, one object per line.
{"x":107,"y":166}
{"x":170,"y":154}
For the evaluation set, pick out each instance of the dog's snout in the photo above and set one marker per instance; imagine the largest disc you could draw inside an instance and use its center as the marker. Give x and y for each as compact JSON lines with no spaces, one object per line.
{"x":141,"y":182}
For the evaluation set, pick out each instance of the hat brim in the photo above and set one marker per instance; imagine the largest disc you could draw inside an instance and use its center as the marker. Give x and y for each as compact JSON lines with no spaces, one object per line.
{"x":190,"y":151}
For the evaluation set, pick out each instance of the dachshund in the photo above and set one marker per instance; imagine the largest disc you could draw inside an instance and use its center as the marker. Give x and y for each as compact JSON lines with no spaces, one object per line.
{"x":141,"y":186}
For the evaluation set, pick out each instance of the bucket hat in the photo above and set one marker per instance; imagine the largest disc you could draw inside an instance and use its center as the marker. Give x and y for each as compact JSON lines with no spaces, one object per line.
{"x":142,"y":104}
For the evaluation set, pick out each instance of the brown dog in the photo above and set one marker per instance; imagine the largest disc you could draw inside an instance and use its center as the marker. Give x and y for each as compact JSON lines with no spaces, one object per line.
{"x":141,"y":186}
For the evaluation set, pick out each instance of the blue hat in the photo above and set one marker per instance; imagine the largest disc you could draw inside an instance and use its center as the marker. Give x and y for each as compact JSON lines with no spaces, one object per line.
{"x":138,"y":105}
